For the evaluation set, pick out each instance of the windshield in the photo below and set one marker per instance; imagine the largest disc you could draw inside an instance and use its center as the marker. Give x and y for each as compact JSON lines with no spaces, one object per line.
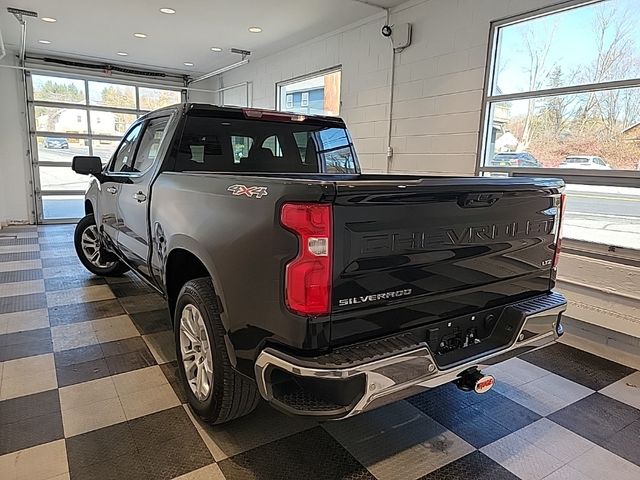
{"x":214,"y":144}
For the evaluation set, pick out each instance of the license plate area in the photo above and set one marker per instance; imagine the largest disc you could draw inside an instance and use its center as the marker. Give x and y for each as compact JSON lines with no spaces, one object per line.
{"x":455,"y":340}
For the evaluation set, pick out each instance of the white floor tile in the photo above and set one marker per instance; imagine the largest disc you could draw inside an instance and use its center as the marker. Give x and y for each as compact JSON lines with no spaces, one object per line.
{"x":21,"y":288}
{"x":93,"y":416}
{"x":555,"y":440}
{"x":599,"y":463}
{"x":626,"y":390}
{"x":42,"y":462}
{"x":151,"y":400}
{"x":79,"y":295}
{"x":23,"y":321}
{"x":20,"y":265}
{"x":87,"y":393}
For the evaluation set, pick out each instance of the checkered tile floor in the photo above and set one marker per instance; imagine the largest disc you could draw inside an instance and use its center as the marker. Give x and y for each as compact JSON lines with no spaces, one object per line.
{"x":88,"y":390}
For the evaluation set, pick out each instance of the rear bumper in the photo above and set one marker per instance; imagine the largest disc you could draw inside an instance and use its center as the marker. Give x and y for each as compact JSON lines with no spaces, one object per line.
{"x":370,"y":375}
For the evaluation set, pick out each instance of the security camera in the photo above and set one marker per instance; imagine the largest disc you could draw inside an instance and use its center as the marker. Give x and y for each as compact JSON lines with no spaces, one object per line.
{"x":386,"y":31}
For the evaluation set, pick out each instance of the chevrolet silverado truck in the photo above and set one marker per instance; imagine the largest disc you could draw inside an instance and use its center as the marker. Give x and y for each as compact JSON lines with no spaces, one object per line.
{"x":292,"y":276}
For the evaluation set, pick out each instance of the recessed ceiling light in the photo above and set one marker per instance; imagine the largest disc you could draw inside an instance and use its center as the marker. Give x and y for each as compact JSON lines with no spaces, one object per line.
{"x":122,"y":54}
{"x":140,"y":35}
{"x":49,"y":19}
{"x":44,"y":42}
{"x":216,"y":49}
{"x":168,"y":11}
{"x":255,"y":29}
{"x":188,"y":64}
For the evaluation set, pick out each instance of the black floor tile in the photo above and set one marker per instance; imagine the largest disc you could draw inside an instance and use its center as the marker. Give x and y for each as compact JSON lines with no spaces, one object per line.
{"x":20,"y":303}
{"x":19,"y":257}
{"x":596,"y":417}
{"x":29,"y":406}
{"x":78,"y":355}
{"x":62,"y":283}
{"x":30,"y":432}
{"x":506,"y":412}
{"x":474,"y":426}
{"x":169,"y":444}
{"x":99,"y":445}
{"x":577,"y":365}
{"x":9,"y":240}
{"x":130,"y":289}
{"x":82,"y":372}
{"x":152,"y":322}
{"x":28,"y":336}
{"x":60,"y":261}
{"x":83,"y":312}
{"x":626,"y":443}
{"x":449,"y":398}
{"x":25,"y":344}
{"x":142,"y":303}
{"x":127,"y":362}
{"x":124,"y":467}
{"x":309,"y":455}
{"x":473,"y":466}
{"x":20,"y":276}
{"x":170,"y":371}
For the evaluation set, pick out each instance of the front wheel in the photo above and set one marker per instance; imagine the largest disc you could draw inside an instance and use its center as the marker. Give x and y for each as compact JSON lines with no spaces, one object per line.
{"x":87,"y":242}
{"x":216,"y":392}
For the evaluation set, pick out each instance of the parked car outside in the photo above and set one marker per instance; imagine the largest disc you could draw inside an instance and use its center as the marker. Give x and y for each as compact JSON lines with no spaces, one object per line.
{"x":514,"y":159}
{"x":585,"y":161}
{"x":56,"y":142}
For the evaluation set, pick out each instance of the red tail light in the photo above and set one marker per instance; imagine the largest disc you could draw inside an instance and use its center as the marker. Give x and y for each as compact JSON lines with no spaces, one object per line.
{"x":308,"y":276}
{"x":556,"y":255}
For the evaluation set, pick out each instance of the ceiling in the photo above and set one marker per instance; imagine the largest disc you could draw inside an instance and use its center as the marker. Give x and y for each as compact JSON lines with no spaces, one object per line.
{"x":98,"y":30}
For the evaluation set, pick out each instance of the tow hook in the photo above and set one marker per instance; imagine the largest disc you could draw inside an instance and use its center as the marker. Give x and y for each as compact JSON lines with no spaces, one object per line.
{"x":475,"y":380}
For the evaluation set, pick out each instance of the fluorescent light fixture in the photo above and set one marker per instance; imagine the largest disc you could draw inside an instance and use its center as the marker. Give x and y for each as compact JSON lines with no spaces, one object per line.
{"x":122,"y":54}
{"x":44,"y":42}
{"x":255,"y":29}
{"x":168,"y":11}
{"x":216,"y":49}
{"x":188,"y":64}
{"x":140,"y":35}
{"x":49,"y":19}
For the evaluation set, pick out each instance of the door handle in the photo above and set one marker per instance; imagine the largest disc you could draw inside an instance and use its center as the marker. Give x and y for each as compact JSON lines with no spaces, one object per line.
{"x":140,"y":197}
{"x":112,"y":190}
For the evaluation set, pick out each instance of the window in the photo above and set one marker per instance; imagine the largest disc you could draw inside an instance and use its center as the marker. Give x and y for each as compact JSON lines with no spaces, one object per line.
{"x":220,"y":145}
{"x":123,"y":159}
{"x":150,"y":144}
{"x":74,"y":116}
{"x":563,"y":97}
{"x":316,"y":94}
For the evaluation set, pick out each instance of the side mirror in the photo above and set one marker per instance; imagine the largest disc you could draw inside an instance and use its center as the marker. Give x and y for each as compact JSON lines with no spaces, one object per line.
{"x":85,"y":165}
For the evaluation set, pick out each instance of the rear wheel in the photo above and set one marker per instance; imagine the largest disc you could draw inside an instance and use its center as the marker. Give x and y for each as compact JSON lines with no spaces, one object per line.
{"x":87,"y":242}
{"x":216,"y":392}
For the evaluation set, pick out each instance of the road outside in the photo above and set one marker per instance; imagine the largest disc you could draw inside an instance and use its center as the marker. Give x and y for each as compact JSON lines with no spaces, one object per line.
{"x":609,"y":215}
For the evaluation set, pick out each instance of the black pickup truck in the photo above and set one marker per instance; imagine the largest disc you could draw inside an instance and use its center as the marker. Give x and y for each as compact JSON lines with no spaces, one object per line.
{"x":293,"y":277}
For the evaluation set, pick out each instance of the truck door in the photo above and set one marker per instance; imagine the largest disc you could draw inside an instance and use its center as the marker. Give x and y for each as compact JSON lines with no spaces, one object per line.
{"x":120,"y":164}
{"x":133,"y":199}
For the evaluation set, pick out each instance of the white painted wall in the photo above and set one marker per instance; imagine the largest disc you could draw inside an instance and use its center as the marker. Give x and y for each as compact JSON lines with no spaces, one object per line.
{"x":439,"y":81}
{"x":15,"y":200}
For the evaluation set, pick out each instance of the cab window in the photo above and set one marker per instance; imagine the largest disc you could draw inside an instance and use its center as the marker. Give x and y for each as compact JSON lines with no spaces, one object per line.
{"x":150,"y":144}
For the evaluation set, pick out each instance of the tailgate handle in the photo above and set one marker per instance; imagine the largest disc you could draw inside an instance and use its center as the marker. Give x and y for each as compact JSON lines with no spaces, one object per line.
{"x":476,"y":200}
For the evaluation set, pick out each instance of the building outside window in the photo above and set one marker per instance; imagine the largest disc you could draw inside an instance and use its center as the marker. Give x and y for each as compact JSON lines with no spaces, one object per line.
{"x":316,"y":94}
{"x":563,"y":98}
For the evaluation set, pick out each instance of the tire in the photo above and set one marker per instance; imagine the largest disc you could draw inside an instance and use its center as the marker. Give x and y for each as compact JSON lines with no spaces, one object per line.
{"x":230,"y":394}
{"x":85,"y":231}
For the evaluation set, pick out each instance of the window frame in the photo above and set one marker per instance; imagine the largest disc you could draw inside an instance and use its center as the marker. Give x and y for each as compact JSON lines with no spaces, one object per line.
{"x":617,"y":178}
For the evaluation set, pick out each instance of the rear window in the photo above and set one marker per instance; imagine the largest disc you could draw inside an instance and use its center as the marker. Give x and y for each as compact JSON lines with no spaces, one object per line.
{"x":211,"y":144}
{"x":577,"y":160}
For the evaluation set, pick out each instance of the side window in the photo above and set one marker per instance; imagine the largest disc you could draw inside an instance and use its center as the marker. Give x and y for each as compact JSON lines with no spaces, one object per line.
{"x":123,"y":158}
{"x":272,"y":144}
{"x":241,"y":147}
{"x":150,"y":144}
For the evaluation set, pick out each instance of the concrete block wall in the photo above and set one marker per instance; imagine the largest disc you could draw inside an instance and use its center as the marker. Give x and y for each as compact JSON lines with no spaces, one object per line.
{"x":15,"y":189}
{"x":438,"y":89}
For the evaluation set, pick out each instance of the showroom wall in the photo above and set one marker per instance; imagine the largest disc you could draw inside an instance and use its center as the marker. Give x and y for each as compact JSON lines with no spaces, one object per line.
{"x":439,"y":81}
{"x":14,"y":169}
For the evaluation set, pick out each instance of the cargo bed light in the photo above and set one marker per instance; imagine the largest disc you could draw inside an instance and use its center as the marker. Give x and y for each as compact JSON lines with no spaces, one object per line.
{"x":308,"y":276}
{"x":271,"y":115}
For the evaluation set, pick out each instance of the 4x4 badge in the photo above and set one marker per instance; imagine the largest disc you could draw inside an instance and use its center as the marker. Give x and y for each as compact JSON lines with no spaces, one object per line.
{"x":249,"y":191}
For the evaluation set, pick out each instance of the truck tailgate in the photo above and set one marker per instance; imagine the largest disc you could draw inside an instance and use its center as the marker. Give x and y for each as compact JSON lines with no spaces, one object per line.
{"x":409,"y":251}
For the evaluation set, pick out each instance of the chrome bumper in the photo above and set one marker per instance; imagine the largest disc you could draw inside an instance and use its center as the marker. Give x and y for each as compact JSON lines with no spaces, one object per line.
{"x":402,"y":374}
